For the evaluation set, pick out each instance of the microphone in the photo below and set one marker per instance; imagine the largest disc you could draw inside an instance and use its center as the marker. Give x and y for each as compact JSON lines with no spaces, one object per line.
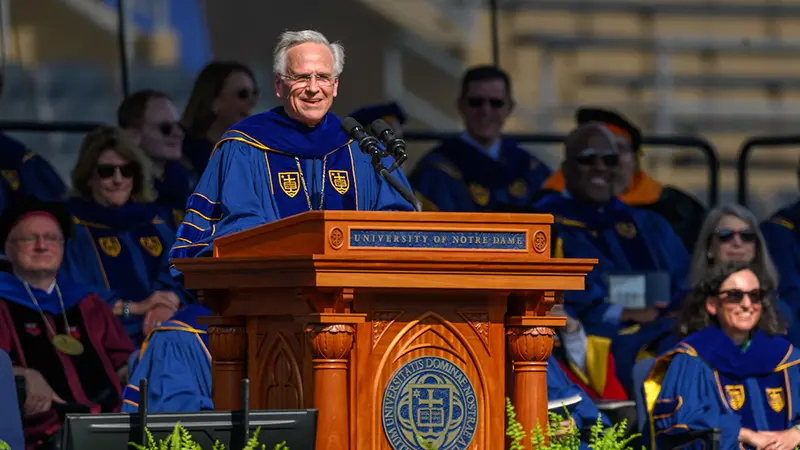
{"x":395,"y":145}
{"x":368,"y":144}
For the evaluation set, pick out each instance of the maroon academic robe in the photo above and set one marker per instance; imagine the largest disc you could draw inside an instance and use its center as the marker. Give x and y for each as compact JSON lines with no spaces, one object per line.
{"x":89,"y":379}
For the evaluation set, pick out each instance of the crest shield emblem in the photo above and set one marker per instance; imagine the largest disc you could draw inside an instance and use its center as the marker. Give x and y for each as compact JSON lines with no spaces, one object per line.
{"x":110,"y":245}
{"x":340,"y":180}
{"x":152,"y":244}
{"x":12,"y":178}
{"x":431,"y":405}
{"x":518,"y":189}
{"x":289,"y":183}
{"x":480,"y":195}
{"x":775,"y":398}
{"x":736,"y":397}
{"x":626,"y":230}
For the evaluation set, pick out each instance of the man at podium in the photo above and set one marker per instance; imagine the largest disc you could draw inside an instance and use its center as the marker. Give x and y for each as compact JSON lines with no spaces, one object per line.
{"x":291,"y":159}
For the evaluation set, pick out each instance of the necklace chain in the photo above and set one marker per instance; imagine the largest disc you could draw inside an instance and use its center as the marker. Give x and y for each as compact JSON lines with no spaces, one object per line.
{"x":305,"y":187}
{"x":36,"y":303}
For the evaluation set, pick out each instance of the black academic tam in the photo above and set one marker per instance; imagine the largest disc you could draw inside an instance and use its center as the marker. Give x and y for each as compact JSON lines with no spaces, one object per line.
{"x":57,"y":209}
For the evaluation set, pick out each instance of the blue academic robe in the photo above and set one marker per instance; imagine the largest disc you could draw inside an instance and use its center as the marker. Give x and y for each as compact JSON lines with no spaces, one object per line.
{"x":176,"y":362}
{"x":559,"y":386}
{"x":121,"y":254}
{"x":622,"y":239}
{"x":708,"y":381}
{"x":174,"y":187}
{"x":197,"y":150}
{"x":26,"y":174}
{"x":458,"y":177}
{"x":782,"y":235}
{"x":261,"y":171}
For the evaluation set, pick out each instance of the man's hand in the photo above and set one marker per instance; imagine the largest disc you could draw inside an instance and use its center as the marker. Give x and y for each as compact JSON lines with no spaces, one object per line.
{"x":155,"y":317}
{"x":39,"y":396}
{"x":158,"y":298}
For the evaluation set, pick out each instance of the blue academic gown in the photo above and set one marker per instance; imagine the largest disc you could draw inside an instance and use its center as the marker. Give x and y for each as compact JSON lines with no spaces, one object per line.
{"x":458,"y":177}
{"x":121,"y":254}
{"x":559,"y":386}
{"x":26,"y":174}
{"x":708,"y":382}
{"x":174,"y":188}
{"x":622,"y":239}
{"x":782,"y":236}
{"x":176,"y":362}
{"x":197,"y":150}
{"x":253,"y":179}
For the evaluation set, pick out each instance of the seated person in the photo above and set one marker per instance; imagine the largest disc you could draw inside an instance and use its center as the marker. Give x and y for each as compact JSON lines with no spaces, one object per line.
{"x":634,"y":186}
{"x":63,"y":340}
{"x":782,"y":234}
{"x":152,"y":121}
{"x":590,"y":222}
{"x":584,"y":414}
{"x":176,"y":362}
{"x":391,"y":113}
{"x":480,"y":170}
{"x":121,"y":242}
{"x":224,"y":93}
{"x":732,"y":370}
{"x":291,"y":159}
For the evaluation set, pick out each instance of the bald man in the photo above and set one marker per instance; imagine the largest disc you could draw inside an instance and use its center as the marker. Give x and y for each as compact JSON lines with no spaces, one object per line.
{"x":591,"y":222}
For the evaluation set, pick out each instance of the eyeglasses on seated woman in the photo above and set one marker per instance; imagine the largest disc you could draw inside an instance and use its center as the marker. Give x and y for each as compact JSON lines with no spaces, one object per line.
{"x":733,"y":370}
{"x":122,"y":240}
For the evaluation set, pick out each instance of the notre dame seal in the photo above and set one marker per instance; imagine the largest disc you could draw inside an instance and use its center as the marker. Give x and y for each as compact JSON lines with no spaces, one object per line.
{"x":429,"y":400}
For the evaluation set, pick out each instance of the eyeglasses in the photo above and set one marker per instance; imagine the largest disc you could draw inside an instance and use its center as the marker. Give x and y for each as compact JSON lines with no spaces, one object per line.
{"x":736,"y":295}
{"x":304,"y":79}
{"x":727,"y":235}
{"x":589,"y":158}
{"x":478,"y":102}
{"x":48,"y":238}
{"x":166,"y":128}
{"x":108,"y":170}
{"x":246,"y":94}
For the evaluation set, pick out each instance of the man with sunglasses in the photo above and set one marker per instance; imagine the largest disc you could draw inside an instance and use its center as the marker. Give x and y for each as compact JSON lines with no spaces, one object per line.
{"x":480,"y":170}
{"x":152,"y":120}
{"x":591,"y":222}
{"x":289,"y":160}
{"x":633,"y":185}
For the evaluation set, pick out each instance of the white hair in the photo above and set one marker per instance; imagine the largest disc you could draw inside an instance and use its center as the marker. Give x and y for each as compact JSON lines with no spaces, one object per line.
{"x":289,"y":39}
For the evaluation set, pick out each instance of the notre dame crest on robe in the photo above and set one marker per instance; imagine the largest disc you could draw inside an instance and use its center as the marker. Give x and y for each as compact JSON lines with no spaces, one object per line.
{"x":480,"y":194}
{"x":152,"y":244}
{"x":626,"y":230}
{"x":518,"y":189}
{"x":775,"y":398}
{"x":340,"y":180}
{"x":12,"y":178}
{"x":289,"y":183}
{"x":110,"y":245}
{"x":735,"y":394}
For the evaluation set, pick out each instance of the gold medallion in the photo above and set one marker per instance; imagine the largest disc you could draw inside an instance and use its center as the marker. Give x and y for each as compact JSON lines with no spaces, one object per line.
{"x":67,"y":345}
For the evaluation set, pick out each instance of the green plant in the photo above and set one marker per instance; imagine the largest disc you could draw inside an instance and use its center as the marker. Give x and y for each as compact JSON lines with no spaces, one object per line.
{"x":181,"y":439}
{"x":4,"y":446}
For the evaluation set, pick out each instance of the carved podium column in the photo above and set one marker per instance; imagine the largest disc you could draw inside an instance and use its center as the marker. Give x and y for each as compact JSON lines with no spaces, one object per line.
{"x":331,"y":345}
{"x":227,"y":336}
{"x":530,"y":341}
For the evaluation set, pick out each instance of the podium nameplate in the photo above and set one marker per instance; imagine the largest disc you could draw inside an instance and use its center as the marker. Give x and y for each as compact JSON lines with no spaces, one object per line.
{"x":415,"y":239}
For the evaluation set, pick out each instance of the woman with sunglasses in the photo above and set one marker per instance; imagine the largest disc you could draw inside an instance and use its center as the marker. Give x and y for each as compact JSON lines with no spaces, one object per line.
{"x":223,"y":94}
{"x":121,"y":240}
{"x":733,"y":370}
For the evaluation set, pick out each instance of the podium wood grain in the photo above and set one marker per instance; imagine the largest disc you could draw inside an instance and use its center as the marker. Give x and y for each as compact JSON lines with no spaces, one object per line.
{"x":321,"y":309}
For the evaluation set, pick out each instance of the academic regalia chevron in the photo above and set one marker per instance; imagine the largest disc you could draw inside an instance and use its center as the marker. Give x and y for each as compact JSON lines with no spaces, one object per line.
{"x":176,"y":361}
{"x":457,"y":177}
{"x":88,"y":379}
{"x":121,"y":253}
{"x":708,"y":381}
{"x":269,"y":167}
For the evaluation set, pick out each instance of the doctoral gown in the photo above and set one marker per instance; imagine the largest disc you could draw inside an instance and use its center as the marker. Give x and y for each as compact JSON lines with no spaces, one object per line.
{"x":121,"y":254}
{"x":458,"y":177}
{"x":26,"y":174}
{"x":89,"y":379}
{"x":707,"y":382}
{"x":176,"y":361}
{"x":622,"y":239}
{"x":269,"y":167}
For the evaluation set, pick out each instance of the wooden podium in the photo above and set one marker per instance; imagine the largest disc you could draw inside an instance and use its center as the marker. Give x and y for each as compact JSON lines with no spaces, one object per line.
{"x":396,"y":326}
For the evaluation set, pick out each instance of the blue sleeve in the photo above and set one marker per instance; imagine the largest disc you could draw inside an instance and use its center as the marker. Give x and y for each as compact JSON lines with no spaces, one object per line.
{"x":81,"y":265}
{"x":40,"y":179}
{"x":559,"y":386}
{"x":440,"y":190}
{"x":690,"y":399}
{"x":783,"y":248}
{"x":178,"y":371}
{"x":232,"y":195}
